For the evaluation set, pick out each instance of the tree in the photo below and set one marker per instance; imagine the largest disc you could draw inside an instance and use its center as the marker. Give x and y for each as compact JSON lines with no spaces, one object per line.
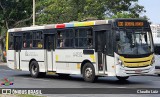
{"x":19,"y":12}
{"x":59,"y":11}
{"x":126,"y":15}
{"x":53,"y":11}
{"x":15,"y":13}
{"x":123,"y":15}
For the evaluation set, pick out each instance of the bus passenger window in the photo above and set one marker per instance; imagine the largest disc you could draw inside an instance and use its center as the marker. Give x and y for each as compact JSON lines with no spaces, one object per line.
{"x":40,"y":45}
{"x":60,"y":40}
{"x":31,"y":45}
{"x":24,"y":44}
{"x":84,"y":38}
{"x":65,"y":38}
{"x":11,"y":41}
{"x":11,"y":46}
{"x":90,"y":44}
{"x":61,"y":43}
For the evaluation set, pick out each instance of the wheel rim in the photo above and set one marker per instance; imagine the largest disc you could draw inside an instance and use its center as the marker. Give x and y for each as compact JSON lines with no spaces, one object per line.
{"x":88,"y":73}
{"x":34,"y":69}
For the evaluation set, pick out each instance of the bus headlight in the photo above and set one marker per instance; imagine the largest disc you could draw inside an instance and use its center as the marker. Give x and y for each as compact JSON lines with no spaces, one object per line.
{"x":119,"y":62}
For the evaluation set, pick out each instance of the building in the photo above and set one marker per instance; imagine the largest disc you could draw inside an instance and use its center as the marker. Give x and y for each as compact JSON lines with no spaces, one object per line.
{"x":156,"y":37}
{"x":155,"y":30}
{"x":156,"y":33}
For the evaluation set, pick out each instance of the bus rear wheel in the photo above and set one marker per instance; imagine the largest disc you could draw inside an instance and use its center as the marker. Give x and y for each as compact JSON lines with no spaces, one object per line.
{"x":122,"y":78}
{"x":88,"y":72}
{"x":34,"y":70}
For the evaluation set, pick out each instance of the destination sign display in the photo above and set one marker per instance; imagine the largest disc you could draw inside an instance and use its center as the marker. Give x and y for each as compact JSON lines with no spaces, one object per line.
{"x":130,"y":24}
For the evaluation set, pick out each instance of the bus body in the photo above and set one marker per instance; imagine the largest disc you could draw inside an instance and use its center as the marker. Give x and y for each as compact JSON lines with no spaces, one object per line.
{"x":117,"y":47}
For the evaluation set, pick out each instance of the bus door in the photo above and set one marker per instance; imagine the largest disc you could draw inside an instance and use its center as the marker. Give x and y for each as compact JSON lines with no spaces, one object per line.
{"x":101,"y":49}
{"x":17,"y":48}
{"x":50,"y":51}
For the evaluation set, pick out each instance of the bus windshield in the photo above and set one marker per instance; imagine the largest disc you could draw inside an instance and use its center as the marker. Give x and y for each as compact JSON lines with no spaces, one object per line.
{"x":132,"y":42}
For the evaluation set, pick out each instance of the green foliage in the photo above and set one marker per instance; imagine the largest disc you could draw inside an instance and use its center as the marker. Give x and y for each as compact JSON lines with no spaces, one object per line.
{"x":18,"y":13}
{"x":59,"y":11}
{"x":53,"y":11}
{"x":27,"y":95}
{"x":13,"y":12}
{"x":123,"y":15}
{"x":126,"y":15}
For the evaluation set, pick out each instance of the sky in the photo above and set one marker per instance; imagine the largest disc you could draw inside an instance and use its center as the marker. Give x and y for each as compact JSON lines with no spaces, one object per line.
{"x":152,"y":8}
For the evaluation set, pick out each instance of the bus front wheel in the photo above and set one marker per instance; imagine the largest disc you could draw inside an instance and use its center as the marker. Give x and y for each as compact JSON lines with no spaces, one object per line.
{"x":34,"y":70}
{"x":122,"y":78}
{"x":88,"y":72}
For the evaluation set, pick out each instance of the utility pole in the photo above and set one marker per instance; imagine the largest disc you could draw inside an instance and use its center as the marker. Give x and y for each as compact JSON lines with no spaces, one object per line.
{"x":33,"y":12}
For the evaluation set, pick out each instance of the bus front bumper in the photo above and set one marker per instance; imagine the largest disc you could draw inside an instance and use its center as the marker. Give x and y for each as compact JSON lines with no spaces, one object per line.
{"x":157,"y":69}
{"x":124,"y":71}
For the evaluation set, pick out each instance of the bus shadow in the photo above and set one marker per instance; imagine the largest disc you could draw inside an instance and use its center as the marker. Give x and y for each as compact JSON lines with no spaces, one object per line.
{"x":101,"y":80}
{"x":52,"y":77}
{"x":114,"y":81}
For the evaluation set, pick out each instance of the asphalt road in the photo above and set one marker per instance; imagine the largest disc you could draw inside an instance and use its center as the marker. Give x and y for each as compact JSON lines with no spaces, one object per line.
{"x":24,"y":80}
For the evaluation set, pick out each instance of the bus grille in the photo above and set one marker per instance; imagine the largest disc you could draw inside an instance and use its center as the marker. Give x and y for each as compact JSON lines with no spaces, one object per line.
{"x":136,"y":62}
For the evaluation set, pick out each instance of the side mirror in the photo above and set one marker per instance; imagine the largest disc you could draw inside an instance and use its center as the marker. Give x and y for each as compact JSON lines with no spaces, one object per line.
{"x":157,"y":50}
{"x":117,"y":36}
{"x":145,"y":37}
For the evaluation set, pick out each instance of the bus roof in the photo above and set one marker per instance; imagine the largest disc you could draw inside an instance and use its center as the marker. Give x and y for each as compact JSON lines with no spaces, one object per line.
{"x":64,"y":25}
{"x":71,"y":24}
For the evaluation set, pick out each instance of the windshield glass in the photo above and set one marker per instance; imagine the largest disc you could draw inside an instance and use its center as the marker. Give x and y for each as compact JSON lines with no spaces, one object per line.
{"x":134,"y":42}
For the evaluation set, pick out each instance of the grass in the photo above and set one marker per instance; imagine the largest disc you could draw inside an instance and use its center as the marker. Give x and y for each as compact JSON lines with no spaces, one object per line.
{"x":25,"y":95}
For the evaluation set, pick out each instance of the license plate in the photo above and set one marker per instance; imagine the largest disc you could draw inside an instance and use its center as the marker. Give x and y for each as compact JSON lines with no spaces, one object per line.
{"x":138,"y":71}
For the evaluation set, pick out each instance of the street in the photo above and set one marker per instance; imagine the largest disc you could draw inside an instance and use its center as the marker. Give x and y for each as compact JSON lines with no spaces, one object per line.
{"x":22,"y":79}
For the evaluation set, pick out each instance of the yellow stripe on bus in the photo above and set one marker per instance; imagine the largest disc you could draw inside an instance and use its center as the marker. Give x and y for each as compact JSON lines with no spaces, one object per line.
{"x":78,"y":66}
{"x":92,"y":57}
{"x":136,"y":59}
{"x":137,"y":62}
{"x":84,"y":24}
{"x":7,"y":42}
{"x":56,"y":57}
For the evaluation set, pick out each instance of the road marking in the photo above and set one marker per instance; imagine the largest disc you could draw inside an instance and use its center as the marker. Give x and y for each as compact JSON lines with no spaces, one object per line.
{"x":36,"y":79}
{"x":121,"y":87}
{"x":5,"y":70}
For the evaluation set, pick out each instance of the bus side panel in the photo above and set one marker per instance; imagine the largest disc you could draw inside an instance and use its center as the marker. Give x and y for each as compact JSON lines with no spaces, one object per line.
{"x":110,"y":66}
{"x":10,"y":59}
{"x":69,"y":60}
{"x":63,"y":68}
{"x":75,"y":68}
{"x":24,"y":65}
{"x":28,"y":55}
{"x":42,"y":66}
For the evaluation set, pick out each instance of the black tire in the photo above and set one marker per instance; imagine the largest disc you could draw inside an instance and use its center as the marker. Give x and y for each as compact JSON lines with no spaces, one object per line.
{"x":158,"y":74}
{"x":34,"y":70}
{"x":88,"y":72}
{"x":121,"y":78}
